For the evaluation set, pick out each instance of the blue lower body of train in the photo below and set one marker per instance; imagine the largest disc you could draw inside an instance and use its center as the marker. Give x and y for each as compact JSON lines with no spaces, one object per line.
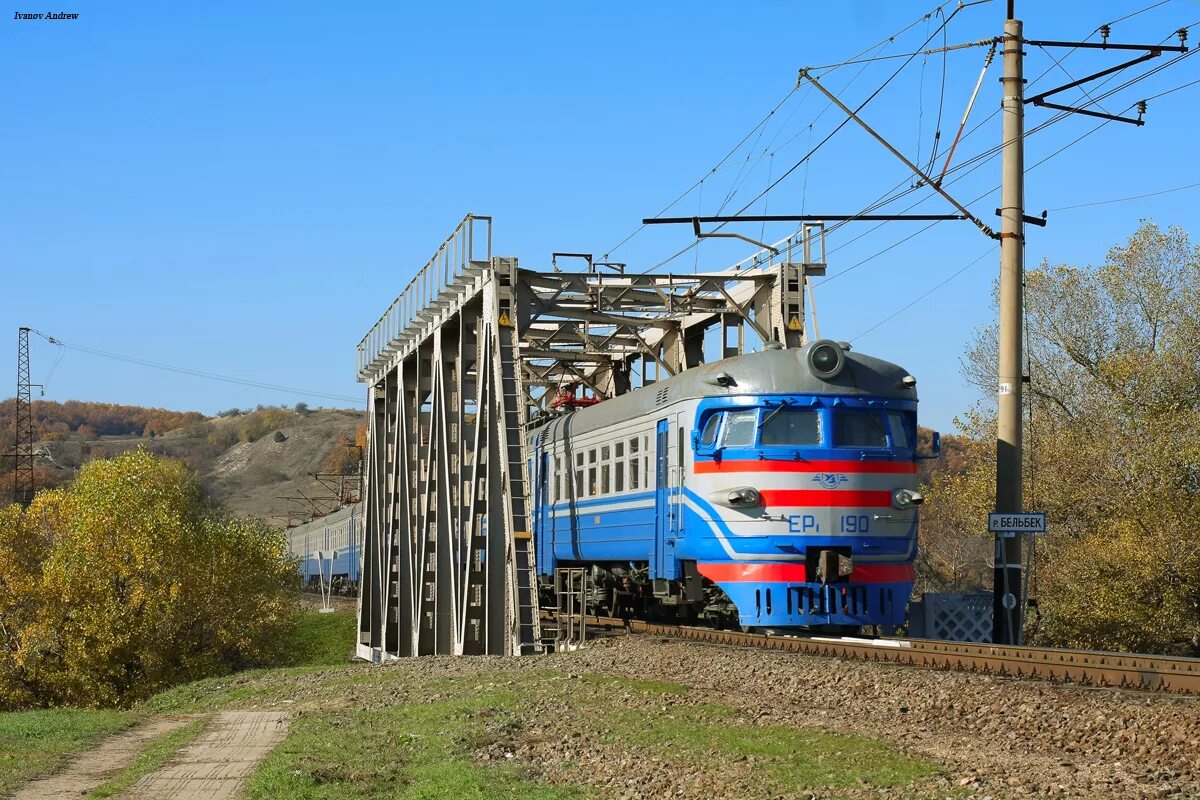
{"x":345,"y":564}
{"x":771,"y":577}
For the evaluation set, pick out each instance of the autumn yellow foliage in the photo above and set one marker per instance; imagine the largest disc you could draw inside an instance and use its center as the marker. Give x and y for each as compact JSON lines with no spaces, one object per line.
{"x":127,"y":581}
{"x":1112,"y":452}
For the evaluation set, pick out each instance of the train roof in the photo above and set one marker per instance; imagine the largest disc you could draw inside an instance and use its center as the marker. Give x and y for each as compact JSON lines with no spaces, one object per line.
{"x":766,"y":372}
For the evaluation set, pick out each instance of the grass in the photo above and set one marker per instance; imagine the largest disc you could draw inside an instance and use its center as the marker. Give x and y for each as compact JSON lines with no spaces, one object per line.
{"x":421,"y":750}
{"x":363,"y":732}
{"x":34,"y":743}
{"x":321,"y":639}
{"x":160,"y":751}
{"x":790,"y":759}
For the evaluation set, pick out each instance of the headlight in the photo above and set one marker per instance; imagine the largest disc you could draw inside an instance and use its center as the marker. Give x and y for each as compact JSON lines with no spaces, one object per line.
{"x":825,"y":359}
{"x":907,"y":498}
{"x":744,"y":497}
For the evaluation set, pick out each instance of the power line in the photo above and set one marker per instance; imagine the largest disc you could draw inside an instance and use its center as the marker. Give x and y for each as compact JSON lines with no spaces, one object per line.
{"x":1127,"y":199}
{"x":1169,"y":91}
{"x":892,"y":194}
{"x":946,"y":280}
{"x":971,"y":164}
{"x":982,"y":158}
{"x":197,"y":373}
{"x":946,"y":48}
{"x":1134,"y":14}
{"x":964,"y":269}
{"x":829,"y":136}
{"x":711,"y":171}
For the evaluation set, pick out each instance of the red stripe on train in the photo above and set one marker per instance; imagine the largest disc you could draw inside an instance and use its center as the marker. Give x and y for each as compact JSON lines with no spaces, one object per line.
{"x":764,"y":465}
{"x":740,"y":572}
{"x":828,"y":498}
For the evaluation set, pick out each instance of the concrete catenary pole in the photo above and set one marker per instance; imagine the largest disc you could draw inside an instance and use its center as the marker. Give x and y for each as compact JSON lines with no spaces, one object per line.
{"x":1007,"y":608}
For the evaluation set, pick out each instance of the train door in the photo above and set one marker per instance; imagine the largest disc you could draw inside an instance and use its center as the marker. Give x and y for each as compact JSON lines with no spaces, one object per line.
{"x":666,"y":508}
{"x":543,"y":521}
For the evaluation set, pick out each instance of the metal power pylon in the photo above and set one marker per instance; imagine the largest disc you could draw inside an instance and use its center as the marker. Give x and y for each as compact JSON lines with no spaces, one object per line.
{"x":473,"y":350}
{"x":23,"y":479}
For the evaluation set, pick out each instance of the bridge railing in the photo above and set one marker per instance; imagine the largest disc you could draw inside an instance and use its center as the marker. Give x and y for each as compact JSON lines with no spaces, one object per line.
{"x":448,"y":264}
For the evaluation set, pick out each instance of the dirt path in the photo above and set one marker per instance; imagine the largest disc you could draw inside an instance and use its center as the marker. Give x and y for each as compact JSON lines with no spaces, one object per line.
{"x":94,"y":766}
{"x":217,"y":764}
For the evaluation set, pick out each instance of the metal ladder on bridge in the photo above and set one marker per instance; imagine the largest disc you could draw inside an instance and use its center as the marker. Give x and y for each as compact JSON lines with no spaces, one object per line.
{"x":524,"y":598}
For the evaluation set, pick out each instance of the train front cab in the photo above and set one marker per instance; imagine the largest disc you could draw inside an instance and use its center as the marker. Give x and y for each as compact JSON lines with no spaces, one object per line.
{"x":803,"y":508}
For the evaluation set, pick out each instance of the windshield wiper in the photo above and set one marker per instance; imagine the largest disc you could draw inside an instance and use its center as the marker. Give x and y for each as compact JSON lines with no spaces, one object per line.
{"x":771,"y":415}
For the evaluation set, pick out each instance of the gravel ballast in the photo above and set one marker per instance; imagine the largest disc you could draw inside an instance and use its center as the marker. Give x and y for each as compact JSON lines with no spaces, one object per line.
{"x":1003,"y":738}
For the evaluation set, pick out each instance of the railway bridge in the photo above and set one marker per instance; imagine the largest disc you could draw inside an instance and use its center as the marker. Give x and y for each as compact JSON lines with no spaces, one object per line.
{"x":474,"y":349}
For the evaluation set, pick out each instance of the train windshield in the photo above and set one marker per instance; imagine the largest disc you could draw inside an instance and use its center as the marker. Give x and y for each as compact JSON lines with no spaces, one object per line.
{"x":872,"y":429}
{"x":788,"y":426}
{"x":859,"y":429}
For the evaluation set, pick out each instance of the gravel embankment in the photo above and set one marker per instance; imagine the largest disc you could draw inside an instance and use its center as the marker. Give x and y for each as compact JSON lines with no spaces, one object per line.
{"x":997,"y":738}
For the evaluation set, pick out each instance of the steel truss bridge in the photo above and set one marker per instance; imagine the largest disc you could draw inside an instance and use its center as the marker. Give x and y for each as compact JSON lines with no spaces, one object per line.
{"x":473,"y":351}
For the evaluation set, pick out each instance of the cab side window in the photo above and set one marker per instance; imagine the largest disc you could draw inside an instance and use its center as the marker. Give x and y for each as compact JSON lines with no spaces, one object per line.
{"x":708,"y":437}
{"x":739,"y":429}
{"x":898,"y":425}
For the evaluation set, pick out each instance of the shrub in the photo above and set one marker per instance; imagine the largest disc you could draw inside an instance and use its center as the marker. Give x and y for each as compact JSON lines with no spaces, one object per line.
{"x":252,"y":427}
{"x":128,"y":581}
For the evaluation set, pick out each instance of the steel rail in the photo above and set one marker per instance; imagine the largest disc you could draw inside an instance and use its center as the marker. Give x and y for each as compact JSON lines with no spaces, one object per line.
{"x":1085,"y":667}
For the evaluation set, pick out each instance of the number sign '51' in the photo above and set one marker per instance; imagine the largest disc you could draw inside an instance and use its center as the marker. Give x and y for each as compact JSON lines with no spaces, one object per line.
{"x":1011,"y":524}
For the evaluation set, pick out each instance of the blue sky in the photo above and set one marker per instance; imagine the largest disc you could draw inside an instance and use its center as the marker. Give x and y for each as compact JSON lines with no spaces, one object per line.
{"x":242,"y":188}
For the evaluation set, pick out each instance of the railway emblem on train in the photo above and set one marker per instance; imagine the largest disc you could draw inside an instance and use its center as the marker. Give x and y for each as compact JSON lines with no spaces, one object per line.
{"x":830,"y":480}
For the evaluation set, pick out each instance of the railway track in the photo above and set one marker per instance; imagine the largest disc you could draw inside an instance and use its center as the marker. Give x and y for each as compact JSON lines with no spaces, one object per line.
{"x":1084,"y":667}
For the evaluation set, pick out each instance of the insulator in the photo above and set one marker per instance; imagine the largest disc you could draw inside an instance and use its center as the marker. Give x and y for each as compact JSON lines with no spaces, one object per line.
{"x":1104,"y":31}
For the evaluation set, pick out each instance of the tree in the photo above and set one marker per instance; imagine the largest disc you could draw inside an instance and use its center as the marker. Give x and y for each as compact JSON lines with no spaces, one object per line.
{"x":1111,"y":448}
{"x":955,"y":548}
{"x":128,"y":581}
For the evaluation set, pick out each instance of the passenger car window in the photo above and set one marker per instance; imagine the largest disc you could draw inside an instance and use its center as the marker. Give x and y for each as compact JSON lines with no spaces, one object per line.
{"x":899,"y":429}
{"x":788,"y":426}
{"x":709,"y":435}
{"x":739,"y":429}
{"x":858,"y":429}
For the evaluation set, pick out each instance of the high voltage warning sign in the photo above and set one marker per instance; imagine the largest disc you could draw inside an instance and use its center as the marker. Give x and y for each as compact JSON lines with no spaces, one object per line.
{"x":794,"y":325}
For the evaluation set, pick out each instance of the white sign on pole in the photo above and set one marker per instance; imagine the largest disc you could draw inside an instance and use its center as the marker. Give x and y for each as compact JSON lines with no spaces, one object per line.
{"x":1012,"y":524}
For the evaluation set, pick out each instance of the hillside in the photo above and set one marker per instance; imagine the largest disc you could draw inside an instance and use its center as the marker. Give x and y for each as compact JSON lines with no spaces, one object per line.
{"x":249,"y":460}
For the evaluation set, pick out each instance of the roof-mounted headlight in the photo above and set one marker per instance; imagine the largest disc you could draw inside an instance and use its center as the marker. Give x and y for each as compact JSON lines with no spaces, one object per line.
{"x":826,"y":360}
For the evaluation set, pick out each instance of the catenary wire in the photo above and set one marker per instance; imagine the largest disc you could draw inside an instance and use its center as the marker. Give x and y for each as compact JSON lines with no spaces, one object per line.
{"x":892,"y":195}
{"x":712,"y":170}
{"x":982,"y":158}
{"x":820,"y":144}
{"x":991,"y":249}
{"x":1075,"y":141}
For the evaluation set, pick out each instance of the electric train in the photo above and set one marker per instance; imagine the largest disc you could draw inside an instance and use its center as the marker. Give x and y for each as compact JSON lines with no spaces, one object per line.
{"x":772,"y":490}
